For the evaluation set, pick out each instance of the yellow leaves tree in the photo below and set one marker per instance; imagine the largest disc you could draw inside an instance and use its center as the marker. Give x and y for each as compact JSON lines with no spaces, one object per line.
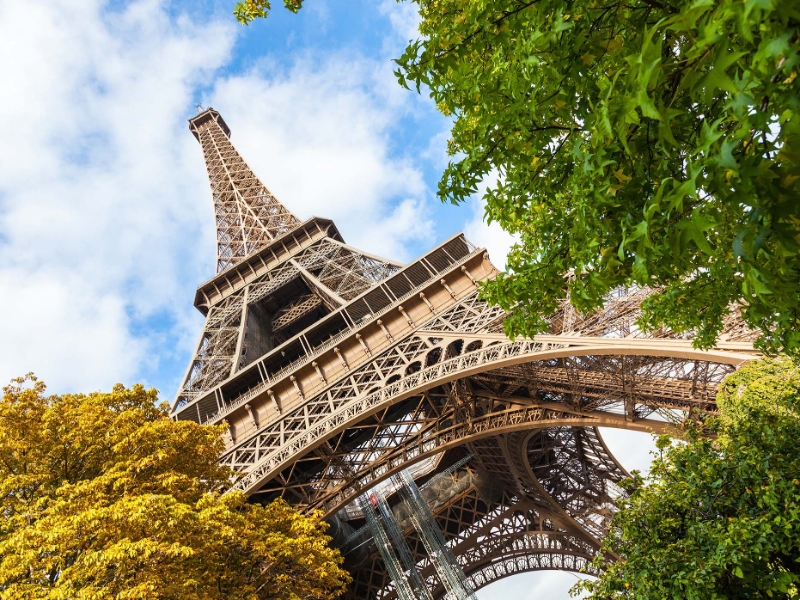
{"x":103,"y":496}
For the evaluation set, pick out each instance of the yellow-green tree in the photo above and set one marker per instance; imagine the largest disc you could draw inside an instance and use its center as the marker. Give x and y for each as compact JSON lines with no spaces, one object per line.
{"x":717,"y":518}
{"x":103,"y":496}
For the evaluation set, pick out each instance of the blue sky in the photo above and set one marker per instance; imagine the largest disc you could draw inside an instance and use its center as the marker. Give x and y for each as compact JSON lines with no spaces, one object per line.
{"x":106,"y":225}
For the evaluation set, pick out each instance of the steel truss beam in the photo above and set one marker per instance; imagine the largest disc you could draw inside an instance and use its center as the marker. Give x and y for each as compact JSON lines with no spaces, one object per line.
{"x":247,"y":215}
{"x":276,"y":445}
{"x":329,"y":268}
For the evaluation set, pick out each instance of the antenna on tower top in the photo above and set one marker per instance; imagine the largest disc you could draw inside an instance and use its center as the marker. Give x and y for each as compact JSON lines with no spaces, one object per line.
{"x":199,"y":108}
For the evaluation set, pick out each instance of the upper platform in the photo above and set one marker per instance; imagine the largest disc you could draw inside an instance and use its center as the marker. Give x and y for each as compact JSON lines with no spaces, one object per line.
{"x":276,"y":276}
{"x":278,"y":251}
{"x":209,"y":114}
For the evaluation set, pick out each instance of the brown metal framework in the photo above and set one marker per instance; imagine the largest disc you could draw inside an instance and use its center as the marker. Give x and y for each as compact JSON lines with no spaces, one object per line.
{"x":335,"y":369}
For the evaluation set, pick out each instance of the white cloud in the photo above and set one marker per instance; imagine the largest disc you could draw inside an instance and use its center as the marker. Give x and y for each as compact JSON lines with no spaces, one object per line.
{"x":98,"y":206}
{"x":497,"y":241}
{"x":631,"y":448}
{"x":408,"y":220}
{"x":50,"y":328}
{"x":494,"y":238}
{"x":403,"y":16}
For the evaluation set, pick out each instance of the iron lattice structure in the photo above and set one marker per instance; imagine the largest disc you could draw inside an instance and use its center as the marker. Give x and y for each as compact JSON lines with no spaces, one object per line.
{"x":336,"y":370}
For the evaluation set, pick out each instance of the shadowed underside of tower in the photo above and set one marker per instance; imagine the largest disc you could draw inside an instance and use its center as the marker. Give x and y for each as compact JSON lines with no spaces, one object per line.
{"x":336,"y":370}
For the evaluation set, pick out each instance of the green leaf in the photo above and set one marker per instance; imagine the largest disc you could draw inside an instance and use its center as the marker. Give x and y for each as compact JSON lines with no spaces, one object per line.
{"x":648,"y":107}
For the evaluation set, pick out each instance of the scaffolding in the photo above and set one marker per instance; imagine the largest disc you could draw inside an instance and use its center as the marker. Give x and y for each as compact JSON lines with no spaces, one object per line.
{"x":444,"y":561}
{"x":368,"y":503}
{"x":401,"y":546}
{"x":391,"y":542}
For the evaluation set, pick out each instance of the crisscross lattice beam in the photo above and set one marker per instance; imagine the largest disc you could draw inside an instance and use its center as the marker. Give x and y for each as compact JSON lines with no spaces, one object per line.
{"x":247,"y":215}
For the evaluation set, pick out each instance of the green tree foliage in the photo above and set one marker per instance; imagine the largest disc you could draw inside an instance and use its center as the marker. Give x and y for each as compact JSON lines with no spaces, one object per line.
{"x":247,"y":11}
{"x":647,"y":142}
{"x":650,"y":142}
{"x":102,"y":496}
{"x":718,"y":518}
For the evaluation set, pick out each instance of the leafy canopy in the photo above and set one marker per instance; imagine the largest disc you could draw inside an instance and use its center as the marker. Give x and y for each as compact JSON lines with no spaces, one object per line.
{"x":647,"y":142}
{"x":718,"y":518}
{"x":651,"y":142}
{"x":247,"y":11}
{"x":102,"y":496}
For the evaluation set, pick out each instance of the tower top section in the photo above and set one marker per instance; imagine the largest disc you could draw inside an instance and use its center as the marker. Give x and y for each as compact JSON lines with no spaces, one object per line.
{"x":247,"y":215}
{"x":203,"y":118}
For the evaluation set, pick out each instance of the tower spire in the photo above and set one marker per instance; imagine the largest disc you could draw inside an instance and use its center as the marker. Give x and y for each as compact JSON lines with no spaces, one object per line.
{"x":247,"y":215}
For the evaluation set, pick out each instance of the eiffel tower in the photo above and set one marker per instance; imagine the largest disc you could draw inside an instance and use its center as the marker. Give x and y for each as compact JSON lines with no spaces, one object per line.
{"x":357,"y":385}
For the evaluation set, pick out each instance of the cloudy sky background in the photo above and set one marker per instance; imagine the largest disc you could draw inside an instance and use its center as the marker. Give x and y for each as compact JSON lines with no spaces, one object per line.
{"x":106,"y":223}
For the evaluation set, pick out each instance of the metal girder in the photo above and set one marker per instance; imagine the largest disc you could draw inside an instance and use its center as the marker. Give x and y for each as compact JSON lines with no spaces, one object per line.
{"x":336,"y":369}
{"x":330,"y":413}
